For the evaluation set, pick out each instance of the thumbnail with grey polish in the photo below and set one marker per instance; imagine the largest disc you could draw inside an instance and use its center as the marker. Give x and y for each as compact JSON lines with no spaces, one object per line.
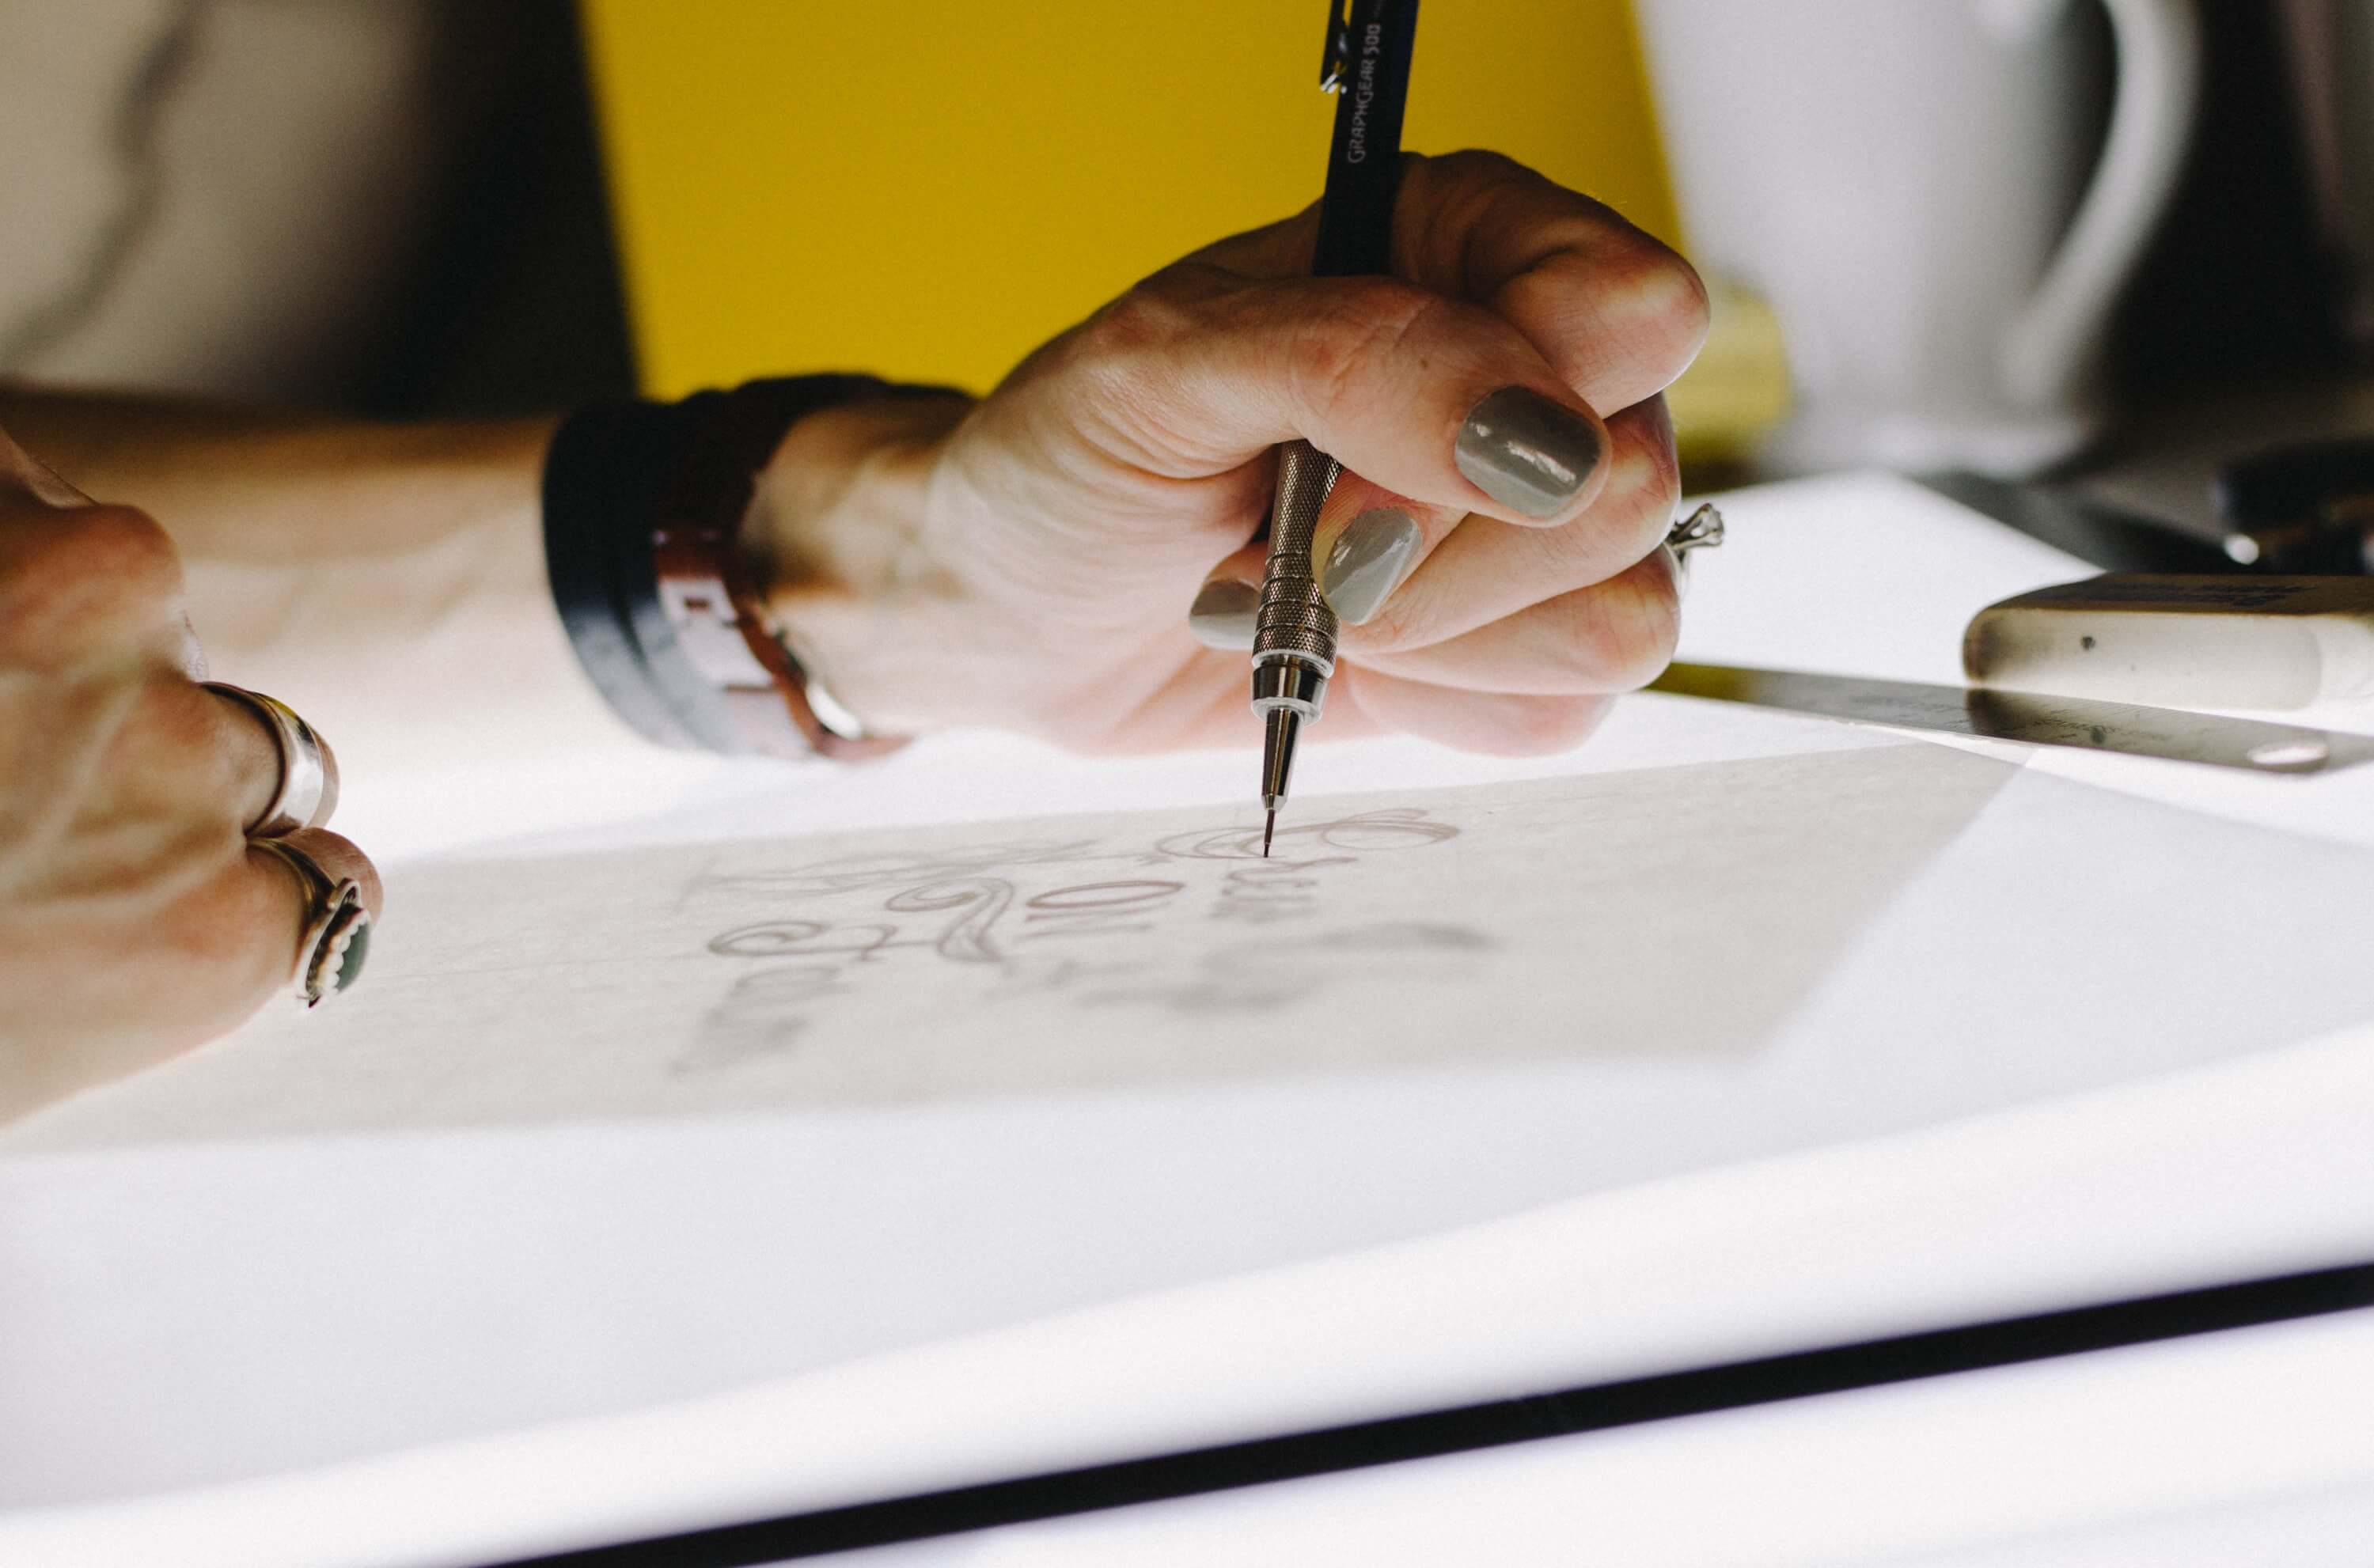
{"x":1370,"y":557}
{"x":1525,"y":452}
{"x":1222,"y":615}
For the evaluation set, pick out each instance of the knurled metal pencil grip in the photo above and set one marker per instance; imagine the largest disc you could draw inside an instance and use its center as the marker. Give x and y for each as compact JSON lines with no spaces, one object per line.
{"x":1293,"y":631}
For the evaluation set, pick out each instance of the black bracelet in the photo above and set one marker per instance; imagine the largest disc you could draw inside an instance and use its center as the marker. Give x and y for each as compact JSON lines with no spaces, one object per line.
{"x":605,"y":475}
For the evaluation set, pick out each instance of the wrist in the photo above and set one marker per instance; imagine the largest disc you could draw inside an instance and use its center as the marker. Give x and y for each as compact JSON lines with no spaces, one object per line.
{"x":840,"y":536}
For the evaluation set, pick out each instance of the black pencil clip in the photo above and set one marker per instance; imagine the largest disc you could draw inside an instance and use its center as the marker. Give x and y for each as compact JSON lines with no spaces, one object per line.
{"x":1336,"y":58}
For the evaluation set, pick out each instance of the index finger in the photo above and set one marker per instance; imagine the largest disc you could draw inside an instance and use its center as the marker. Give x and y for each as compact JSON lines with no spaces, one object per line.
{"x":1613,"y":309}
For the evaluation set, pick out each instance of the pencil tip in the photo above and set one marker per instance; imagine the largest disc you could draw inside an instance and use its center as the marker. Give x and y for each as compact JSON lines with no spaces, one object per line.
{"x":1268,"y":827}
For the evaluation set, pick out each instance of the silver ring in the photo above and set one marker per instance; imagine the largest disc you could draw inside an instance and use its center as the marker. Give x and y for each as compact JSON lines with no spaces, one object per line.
{"x":1702,"y":530}
{"x":336,"y":936}
{"x":309,"y":771}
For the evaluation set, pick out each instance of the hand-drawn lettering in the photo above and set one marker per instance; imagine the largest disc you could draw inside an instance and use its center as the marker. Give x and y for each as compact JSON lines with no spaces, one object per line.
{"x":971,"y":908}
{"x":968,"y":939}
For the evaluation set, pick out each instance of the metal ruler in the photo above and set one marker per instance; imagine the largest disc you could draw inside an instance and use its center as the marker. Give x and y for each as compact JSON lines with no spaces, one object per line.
{"x":2038,"y":721}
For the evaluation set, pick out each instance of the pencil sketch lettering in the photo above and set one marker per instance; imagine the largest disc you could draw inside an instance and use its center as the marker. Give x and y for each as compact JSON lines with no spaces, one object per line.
{"x":1061,"y":917}
{"x":1646,"y":932}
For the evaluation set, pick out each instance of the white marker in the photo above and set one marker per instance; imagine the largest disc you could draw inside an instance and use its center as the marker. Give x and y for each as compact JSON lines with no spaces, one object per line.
{"x":2240,"y":641}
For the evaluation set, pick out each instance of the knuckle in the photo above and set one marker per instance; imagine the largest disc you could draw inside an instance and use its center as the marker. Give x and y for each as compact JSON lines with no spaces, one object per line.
{"x":1407,"y":619}
{"x":342,"y":857}
{"x":258,"y":935}
{"x":168,"y":783}
{"x":1553,"y":724}
{"x":1356,"y":322}
{"x":179,"y":732}
{"x":1123,"y":363}
{"x":1658,"y":302}
{"x":1469,"y":161}
{"x":1632,"y":624}
{"x":1143,"y":322}
{"x":1135,"y":356}
{"x":1393,"y":629}
{"x":1647,"y":479}
{"x":230,"y":944}
{"x":93,"y":575}
{"x":1478,"y":167}
{"x":124,"y":548}
{"x":1633,"y":512}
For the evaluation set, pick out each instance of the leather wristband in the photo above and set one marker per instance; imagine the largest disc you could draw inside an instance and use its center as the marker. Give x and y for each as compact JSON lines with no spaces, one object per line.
{"x":643,"y":507}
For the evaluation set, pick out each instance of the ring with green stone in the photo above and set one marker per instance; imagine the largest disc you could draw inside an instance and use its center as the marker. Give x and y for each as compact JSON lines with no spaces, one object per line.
{"x":336,"y":936}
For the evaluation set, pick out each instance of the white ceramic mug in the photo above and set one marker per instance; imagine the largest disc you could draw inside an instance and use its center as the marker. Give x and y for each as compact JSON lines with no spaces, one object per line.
{"x":1906,"y":183}
{"x":2332,"y":76}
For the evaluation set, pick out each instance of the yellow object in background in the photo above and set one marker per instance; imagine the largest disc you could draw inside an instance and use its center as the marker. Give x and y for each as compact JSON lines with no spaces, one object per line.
{"x":930,"y":191}
{"x":1738,"y":389}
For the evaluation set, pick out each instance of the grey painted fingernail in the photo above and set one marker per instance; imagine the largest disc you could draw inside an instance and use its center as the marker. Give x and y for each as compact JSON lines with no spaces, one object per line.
{"x":1222,"y":615}
{"x":1370,"y":557}
{"x":1526,"y":452}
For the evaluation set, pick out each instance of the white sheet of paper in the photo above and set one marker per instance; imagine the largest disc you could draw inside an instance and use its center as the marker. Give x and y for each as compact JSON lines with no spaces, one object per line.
{"x":1556,"y":921}
{"x":1596,"y":981}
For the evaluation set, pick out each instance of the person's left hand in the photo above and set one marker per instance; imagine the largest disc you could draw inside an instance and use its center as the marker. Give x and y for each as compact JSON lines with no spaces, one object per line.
{"x":1493,"y":548}
{"x":137,"y":917}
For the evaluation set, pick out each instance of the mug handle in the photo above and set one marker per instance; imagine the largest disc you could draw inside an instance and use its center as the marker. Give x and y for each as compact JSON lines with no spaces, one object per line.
{"x":2048,"y":347}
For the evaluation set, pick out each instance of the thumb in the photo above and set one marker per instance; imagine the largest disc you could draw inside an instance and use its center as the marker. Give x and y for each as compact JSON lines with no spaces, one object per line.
{"x":22,"y":471}
{"x":25,"y":479}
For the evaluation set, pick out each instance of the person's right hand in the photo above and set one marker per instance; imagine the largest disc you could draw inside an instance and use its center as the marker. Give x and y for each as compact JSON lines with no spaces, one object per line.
{"x":136,"y":920}
{"x":1074,"y":558}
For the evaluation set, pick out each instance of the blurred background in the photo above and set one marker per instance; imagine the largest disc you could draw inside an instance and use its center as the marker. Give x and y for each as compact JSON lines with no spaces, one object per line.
{"x":2104,"y":241}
